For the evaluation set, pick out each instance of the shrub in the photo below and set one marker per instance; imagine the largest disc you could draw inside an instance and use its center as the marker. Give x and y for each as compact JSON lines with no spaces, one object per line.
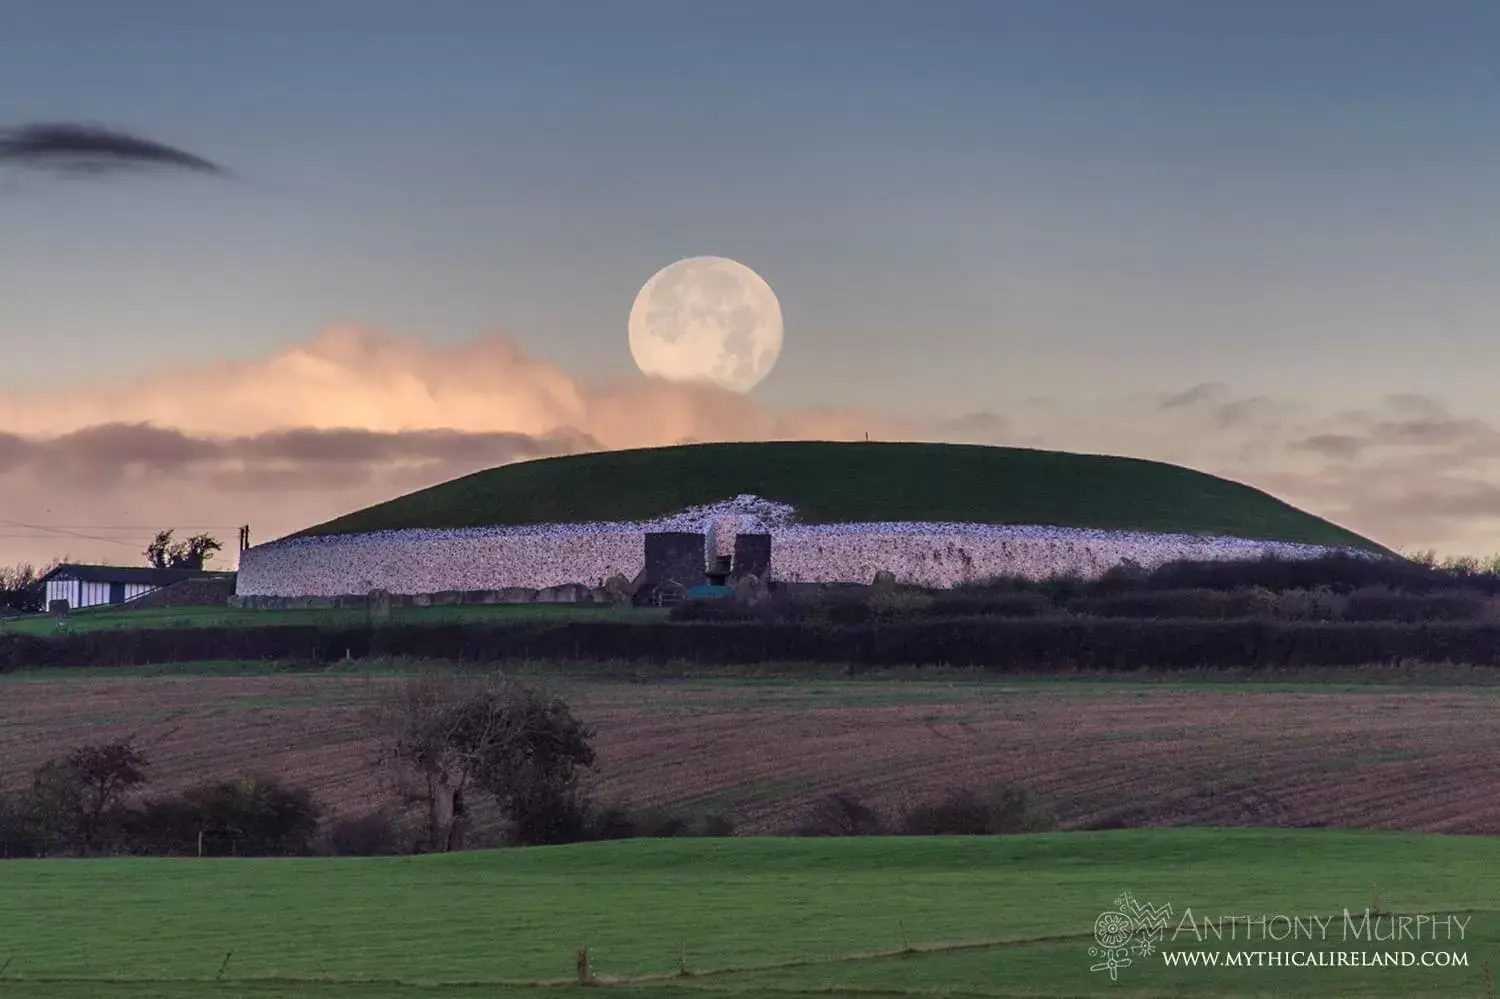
{"x":890,"y":601}
{"x":370,"y":835}
{"x":996,"y":604}
{"x":716,"y":824}
{"x":618,"y":822}
{"x":1202,"y":603}
{"x":657,"y":823}
{"x":17,"y":837}
{"x":52,"y":809}
{"x":1458,"y":605}
{"x":1063,"y":588}
{"x":163,"y":827}
{"x":1199,"y":604}
{"x":1008,"y":809}
{"x":258,"y":817}
{"x":1320,"y":604}
{"x":615,"y":822}
{"x":820,"y":606}
{"x":842,"y":814}
{"x":722,"y":609}
{"x":1340,"y":573}
{"x":1123,"y":577}
{"x":543,"y":813}
{"x":245,"y":818}
{"x":1379,"y":603}
{"x":841,"y":609}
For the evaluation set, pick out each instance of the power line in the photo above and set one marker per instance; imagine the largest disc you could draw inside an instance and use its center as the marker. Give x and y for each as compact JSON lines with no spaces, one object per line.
{"x":61,"y":531}
{"x":85,"y":537}
{"x":129,"y":527}
{"x":54,"y":531}
{"x":48,"y":537}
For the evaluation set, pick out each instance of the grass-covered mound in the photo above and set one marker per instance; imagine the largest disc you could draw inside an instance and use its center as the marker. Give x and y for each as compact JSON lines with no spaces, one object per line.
{"x":1009,"y":915}
{"x":831,"y":483}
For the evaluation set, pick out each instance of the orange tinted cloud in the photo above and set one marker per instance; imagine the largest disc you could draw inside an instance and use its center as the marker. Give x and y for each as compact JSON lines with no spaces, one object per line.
{"x":353,"y":417}
{"x":357,"y":416}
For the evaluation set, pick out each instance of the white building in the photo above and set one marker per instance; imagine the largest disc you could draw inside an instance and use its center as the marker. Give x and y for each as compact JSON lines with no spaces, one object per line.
{"x":93,"y":585}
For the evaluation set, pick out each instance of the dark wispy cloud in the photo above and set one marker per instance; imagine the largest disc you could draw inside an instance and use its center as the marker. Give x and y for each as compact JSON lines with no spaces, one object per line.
{"x":1214,"y":402}
{"x":72,"y":148}
{"x":1407,"y":470}
{"x":1342,"y":446}
{"x":277,"y":459}
{"x":1202,"y":392}
{"x":1405,"y":422}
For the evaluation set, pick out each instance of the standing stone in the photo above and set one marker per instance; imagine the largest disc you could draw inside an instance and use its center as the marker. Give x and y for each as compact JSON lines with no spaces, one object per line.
{"x":676,"y":555}
{"x":749,"y":590}
{"x":380,"y":605}
{"x":567,"y":593}
{"x":619,"y":589}
{"x":752,"y":556}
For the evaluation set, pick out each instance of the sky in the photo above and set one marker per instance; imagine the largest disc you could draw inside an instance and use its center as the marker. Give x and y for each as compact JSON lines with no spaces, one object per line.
{"x":1257,"y":239}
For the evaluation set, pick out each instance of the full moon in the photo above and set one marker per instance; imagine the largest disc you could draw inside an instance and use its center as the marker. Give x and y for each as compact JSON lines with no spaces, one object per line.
{"x":706,"y":319}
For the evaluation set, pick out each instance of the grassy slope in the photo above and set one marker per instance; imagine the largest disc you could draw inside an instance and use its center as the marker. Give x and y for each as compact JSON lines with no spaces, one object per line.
{"x":842,"y":482}
{"x":789,"y":913}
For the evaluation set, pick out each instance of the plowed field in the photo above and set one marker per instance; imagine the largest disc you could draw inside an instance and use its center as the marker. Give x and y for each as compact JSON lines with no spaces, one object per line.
{"x":767,"y":752}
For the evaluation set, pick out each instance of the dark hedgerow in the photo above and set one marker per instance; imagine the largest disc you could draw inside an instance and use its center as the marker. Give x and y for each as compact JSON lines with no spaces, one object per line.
{"x":1030,"y":645}
{"x":1379,"y":603}
{"x":1338,"y":572}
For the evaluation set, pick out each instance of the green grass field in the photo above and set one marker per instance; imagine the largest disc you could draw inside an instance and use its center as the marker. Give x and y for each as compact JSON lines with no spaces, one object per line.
{"x":104,"y":619}
{"x":841,"y":482}
{"x":1009,"y":916}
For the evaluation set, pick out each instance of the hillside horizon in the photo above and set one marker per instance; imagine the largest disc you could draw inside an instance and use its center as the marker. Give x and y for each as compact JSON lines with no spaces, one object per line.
{"x":829,"y":482}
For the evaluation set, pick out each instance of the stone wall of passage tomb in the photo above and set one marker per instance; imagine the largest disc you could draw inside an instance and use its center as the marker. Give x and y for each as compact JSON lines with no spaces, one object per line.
{"x":942,"y":555}
{"x":439,"y":561}
{"x":410,"y":562}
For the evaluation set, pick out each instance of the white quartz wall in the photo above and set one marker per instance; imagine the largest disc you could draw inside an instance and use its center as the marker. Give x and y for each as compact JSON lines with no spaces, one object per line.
{"x":948,"y":554}
{"x":432,"y":561}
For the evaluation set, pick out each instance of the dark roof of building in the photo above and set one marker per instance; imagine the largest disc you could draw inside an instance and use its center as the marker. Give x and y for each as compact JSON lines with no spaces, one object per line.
{"x":125,"y":574}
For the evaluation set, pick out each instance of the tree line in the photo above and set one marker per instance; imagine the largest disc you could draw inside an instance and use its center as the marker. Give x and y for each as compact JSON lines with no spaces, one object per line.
{"x":451,"y":741}
{"x":447,"y":739}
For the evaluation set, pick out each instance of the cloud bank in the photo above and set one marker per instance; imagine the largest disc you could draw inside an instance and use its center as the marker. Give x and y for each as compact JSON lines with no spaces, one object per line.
{"x":358,"y":415}
{"x":351,"y":418}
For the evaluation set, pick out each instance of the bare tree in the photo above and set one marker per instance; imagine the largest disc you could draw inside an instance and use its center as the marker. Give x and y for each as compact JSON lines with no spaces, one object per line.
{"x":21,"y":586}
{"x":458,"y":735}
{"x":416,"y":729}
